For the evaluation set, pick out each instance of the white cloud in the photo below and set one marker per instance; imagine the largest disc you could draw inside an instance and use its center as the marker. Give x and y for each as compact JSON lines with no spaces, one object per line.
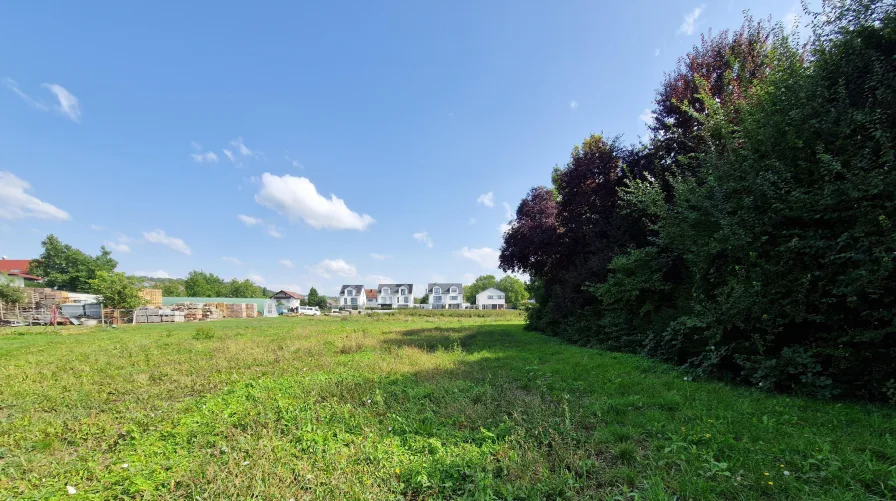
{"x":241,"y":147}
{"x":573,"y":104}
{"x":287,"y":263}
{"x":294,"y":163}
{"x":423,"y":236}
{"x":15,"y":203}
{"x":233,"y":260}
{"x":690,"y":21}
{"x":118,"y":247}
{"x":503,"y":228}
{"x":297,"y":198}
{"x":256,"y":278}
{"x":159,"y":237}
{"x":253,"y":221}
{"x":486,"y":256}
{"x":508,"y":211}
{"x":98,"y":227}
{"x":330,"y":267}
{"x":229,"y":155}
{"x":380,"y":256}
{"x":472,"y":221}
{"x":656,"y":52}
{"x":208,"y":157}
{"x":249,"y":220}
{"x":486,"y":199}
{"x":378,"y":279}
{"x":68,"y":103}
{"x":647,"y":116}
{"x":152,"y":274}
{"x":14,"y":86}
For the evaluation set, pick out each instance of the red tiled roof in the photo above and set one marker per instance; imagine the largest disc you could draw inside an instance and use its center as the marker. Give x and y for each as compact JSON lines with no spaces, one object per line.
{"x":16,"y":267}
{"x":371,"y":293}
{"x":294,"y":295}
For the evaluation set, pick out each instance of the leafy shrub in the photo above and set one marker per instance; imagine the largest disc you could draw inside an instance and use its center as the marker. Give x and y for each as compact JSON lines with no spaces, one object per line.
{"x":204,"y":332}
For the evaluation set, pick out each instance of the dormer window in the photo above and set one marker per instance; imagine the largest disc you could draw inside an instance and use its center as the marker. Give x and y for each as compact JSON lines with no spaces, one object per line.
{"x":403,"y":291}
{"x":453,"y":290}
{"x":436,"y":290}
{"x":349,"y":292}
{"x":386,"y":291}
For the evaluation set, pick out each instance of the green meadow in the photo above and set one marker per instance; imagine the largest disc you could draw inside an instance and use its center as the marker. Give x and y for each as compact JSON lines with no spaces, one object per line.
{"x":406,"y":406}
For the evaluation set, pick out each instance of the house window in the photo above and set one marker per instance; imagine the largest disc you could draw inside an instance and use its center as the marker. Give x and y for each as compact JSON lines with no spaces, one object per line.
{"x":437,"y":299}
{"x":436,"y":290}
{"x":403,"y":291}
{"x":407,"y":300}
{"x":452,"y":298}
{"x":453,"y":290}
{"x":386,"y":291}
{"x":349,"y":292}
{"x":501,"y":296}
{"x":354,"y":301}
{"x":491,"y":297}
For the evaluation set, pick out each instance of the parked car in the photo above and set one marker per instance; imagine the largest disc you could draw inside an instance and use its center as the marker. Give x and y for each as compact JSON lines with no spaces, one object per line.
{"x":309,"y":310}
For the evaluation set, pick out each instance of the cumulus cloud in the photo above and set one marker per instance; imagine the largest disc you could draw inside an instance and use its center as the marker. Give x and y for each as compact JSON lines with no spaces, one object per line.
{"x":117,"y":247}
{"x":486,"y":199}
{"x":232,"y":260}
{"x":152,"y":274}
{"x":329,"y":267}
{"x":173,"y":243}
{"x":297,"y":198}
{"x":229,"y":155}
{"x":287,"y":263}
{"x":15,"y":203}
{"x":423,"y":236}
{"x":485,"y":256}
{"x":690,"y":21}
{"x":573,"y":104}
{"x":380,"y":256}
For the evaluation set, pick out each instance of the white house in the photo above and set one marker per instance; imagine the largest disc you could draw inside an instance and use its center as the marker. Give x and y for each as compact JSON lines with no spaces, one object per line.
{"x":490,"y":299}
{"x":288,"y":298}
{"x":445,"y":296}
{"x":352,"y":297}
{"x":395,"y":295}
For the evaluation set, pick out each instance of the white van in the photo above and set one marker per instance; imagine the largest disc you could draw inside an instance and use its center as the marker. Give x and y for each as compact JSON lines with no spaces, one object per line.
{"x":309,"y":310}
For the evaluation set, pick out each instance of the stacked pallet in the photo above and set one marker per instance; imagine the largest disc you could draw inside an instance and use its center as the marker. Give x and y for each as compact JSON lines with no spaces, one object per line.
{"x":50,"y":297}
{"x":251,"y":310}
{"x":148,"y":315}
{"x":235,"y":311}
{"x":209,"y":313}
{"x":220,"y":307}
{"x":153,"y":297}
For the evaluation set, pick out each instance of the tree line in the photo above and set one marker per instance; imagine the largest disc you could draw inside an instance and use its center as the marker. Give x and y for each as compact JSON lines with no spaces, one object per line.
{"x":751,"y":236}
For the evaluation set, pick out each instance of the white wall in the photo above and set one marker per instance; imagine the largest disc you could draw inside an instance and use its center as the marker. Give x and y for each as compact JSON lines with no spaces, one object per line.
{"x":497,"y":297}
{"x":394,"y":298}
{"x":17,"y":281}
{"x":447,"y":295}
{"x":346,"y":300}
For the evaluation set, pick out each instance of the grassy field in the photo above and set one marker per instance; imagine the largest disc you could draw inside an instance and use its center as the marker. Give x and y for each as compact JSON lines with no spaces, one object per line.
{"x":394,"y":406}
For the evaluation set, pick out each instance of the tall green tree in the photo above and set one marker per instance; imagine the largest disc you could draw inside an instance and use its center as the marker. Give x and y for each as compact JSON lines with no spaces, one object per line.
{"x":201,"y":284}
{"x":67,"y":268}
{"x":315,"y":299}
{"x":480,"y":284}
{"x":514,"y":289}
{"x":173,"y":288}
{"x":117,"y":290}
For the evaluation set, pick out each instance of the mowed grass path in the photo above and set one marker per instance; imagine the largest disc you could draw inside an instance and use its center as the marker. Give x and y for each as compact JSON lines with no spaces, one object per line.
{"x":395,"y":406}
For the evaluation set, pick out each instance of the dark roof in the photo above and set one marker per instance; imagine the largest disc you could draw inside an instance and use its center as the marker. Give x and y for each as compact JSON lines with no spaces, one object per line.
{"x":294,"y":295}
{"x":445,"y":287}
{"x":395,"y":287}
{"x":359,"y":289}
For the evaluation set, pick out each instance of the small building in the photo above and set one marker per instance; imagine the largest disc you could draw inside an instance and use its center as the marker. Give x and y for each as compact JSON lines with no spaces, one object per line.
{"x":352,"y":297}
{"x":395,"y":295}
{"x":371,"y":295}
{"x":287,"y":299}
{"x":445,"y":296}
{"x":16,"y":271}
{"x":490,"y":299}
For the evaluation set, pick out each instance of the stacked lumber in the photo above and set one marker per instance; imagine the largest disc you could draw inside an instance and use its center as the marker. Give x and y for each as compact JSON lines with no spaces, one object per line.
{"x":149,"y":315}
{"x":209,"y":313}
{"x":49,"y":297}
{"x":251,"y":310}
{"x":153,"y":297}
{"x":221,"y":307}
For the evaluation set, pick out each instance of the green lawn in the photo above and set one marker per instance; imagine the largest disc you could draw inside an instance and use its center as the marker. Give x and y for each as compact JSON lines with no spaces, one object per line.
{"x":394,"y":406}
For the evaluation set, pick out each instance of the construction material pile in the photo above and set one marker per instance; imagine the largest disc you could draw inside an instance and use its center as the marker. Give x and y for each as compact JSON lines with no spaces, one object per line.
{"x":148,"y":315}
{"x":153,"y":297}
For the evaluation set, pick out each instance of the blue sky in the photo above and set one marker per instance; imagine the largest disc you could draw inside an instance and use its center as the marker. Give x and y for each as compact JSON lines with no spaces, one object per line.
{"x":300,"y":145}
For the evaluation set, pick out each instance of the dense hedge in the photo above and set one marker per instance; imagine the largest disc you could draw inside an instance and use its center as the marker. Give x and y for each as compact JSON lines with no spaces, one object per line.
{"x":757,"y":242}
